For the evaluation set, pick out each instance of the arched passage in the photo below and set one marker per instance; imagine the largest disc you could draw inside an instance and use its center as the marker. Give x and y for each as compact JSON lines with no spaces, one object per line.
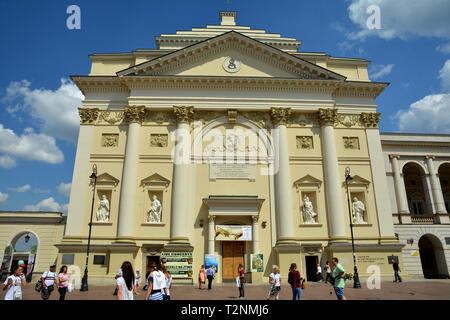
{"x":444,"y":177}
{"x":415,"y":185}
{"x":22,"y":246}
{"x":432,"y":257}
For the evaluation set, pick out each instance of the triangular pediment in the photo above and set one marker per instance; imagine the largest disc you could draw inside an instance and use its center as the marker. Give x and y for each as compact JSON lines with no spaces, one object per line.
{"x":155,"y":180}
{"x":249,"y":58}
{"x":308,"y":180}
{"x":358,"y":181}
{"x":107,"y":179}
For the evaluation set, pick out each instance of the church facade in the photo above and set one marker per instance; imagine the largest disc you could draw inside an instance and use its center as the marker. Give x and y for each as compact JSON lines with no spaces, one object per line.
{"x":228,"y":145}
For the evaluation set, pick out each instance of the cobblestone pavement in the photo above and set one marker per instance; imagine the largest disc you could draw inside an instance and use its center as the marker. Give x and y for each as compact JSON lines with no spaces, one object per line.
{"x":428,"y":290}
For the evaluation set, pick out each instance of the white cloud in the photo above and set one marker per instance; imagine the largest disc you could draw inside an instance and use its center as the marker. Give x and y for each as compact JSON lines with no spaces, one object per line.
{"x":380,"y":70}
{"x":7,"y":162}
{"x":55,"y":111}
{"x":3,"y":197}
{"x":24,"y":188}
{"x":428,"y":115}
{"x":444,"y":48}
{"x":64,"y":188}
{"x":402,"y":18}
{"x":39,"y":190}
{"x":30,"y":146}
{"x":444,"y":75}
{"x":48,"y":204}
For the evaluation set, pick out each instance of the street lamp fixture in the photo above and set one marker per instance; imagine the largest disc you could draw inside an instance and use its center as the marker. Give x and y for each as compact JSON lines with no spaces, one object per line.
{"x":84,"y":281}
{"x":356,"y":283}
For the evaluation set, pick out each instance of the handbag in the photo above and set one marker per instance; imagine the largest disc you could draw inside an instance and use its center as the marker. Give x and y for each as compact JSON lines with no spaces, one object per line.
{"x":238,"y":282}
{"x":303,"y":284}
{"x":38,"y":285}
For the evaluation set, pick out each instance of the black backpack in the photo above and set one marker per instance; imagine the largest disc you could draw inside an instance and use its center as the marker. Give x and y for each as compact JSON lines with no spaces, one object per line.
{"x":38,"y":285}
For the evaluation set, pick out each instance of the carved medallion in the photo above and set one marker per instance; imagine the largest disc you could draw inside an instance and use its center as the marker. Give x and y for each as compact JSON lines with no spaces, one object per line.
{"x":110,"y":140}
{"x":305,"y":142}
{"x":231,"y":64}
{"x":348,"y":120}
{"x":112,"y":117}
{"x":158,"y":140}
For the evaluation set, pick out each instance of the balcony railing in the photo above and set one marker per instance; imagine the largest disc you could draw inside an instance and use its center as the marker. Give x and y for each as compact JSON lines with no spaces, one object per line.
{"x":406,"y":218}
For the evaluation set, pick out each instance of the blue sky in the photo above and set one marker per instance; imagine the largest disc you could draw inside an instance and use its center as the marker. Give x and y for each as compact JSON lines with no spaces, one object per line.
{"x":38,"y":124}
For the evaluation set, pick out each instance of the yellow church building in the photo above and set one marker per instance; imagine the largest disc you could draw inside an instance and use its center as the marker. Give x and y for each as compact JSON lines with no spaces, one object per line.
{"x":229,"y":142}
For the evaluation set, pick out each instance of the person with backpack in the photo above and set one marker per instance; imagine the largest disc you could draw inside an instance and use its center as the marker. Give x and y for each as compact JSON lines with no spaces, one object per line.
{"x":295,"y":280}
{"x":126,"y":288}
{"x":14,"y":284}
{"x":48,"y":282}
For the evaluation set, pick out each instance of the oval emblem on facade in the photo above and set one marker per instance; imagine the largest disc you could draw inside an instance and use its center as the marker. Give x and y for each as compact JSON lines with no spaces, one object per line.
{"x":231,"y":64}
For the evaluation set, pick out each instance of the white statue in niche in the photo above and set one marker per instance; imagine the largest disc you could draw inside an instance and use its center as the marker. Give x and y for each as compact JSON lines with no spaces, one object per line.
{"x":309,"y":216}
{"x":103,"y":210}
{"x":358,"y":211}
{"x":154,"y":214}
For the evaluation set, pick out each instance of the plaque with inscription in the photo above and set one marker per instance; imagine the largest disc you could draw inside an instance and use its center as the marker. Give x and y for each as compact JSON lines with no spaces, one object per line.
{"x":232,"y":171}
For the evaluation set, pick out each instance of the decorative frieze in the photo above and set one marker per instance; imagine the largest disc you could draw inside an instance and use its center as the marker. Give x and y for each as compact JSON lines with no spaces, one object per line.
{"x":348,"y":120}
{"x":302,"y":119}
{"x":262,"y":119}
{"x":183,"y":114}
{"x":280,"y":116}
{"x":207,"y":116}
{"x":158,"y":140}
{"x":351,"y":143}
{"x":305,"y":142}
{"x":110,"y":140}
{"x":112,"y":116}
{"x":370,"y":119}
{"x":160,"y":117}
{"x":327,"y":117}
{"x":135,"y":114}
{"x":88,"y":115}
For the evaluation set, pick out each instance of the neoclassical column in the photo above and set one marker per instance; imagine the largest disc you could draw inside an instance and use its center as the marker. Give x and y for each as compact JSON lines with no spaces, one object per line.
{"x":81,"y":172}
{"x":134,"y":116}
{"x":180,"y":186}
{"x":211,"y":235}
{"x":436,"y":190}
{"x":283,"y":192}
{"x":399,"y":184}
{"x":333,"y":183}
{"x":255,"y":234}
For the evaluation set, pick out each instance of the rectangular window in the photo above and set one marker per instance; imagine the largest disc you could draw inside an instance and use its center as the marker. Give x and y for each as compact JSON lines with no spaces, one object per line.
{"x":417,"y":207}
{"x":68,"y":258}
{"x":99,"y":260}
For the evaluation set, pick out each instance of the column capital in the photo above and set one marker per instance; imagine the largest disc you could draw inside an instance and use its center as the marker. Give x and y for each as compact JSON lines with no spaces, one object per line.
{"x":211,"y":218}
{"x":370,"y":119}
{"x":183,"y":114}
{"x":255,"y":219}
{"x":280,"y":115}
{"x":134,"y":114}
{"x":394,"y":156}
{"x":88,"y":115}
{"x":327,"y":117}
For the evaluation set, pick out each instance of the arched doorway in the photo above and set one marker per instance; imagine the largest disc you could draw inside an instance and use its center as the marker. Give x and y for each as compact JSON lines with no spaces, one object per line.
{"x":418,"y":201}
{"x":444,"y":177}
{"x":432,"y":257}
{"x":23,"y":246}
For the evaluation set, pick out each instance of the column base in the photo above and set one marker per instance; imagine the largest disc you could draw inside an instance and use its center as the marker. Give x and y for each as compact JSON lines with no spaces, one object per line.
{"x":340,"y":239}
{"x":179,"y":245}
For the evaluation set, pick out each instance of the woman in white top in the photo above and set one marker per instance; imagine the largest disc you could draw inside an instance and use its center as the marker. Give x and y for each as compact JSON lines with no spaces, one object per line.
{"x":275,"y":284}
{"x":319,"y":273}
{"x":125,"y":284}
{"x":168,"y":279}
{"x":14,"y":284}
{"x":156,"y":284}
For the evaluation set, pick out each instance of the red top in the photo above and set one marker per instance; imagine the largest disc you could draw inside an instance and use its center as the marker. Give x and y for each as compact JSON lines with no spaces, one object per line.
{"x":294,"y":279}
{"x":241,"y":275}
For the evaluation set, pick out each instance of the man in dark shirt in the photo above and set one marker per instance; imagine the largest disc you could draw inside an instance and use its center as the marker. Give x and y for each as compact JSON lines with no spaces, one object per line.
{"x":396,"y":271}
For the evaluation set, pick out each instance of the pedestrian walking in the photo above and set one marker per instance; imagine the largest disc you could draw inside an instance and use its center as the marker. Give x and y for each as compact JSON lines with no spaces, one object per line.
{"x":241,"y":280}
{"x":168,"y":279}
{"x":295,"y":280}
{"x":210,"y":275}
{"x":48,"y":282}
{"x":328,"y":271}
{"x":201,"y":276}
{"x":63,"y":279}
{"x":156,"y":283}
{"x":396,"y":268}
{"x":14,"y":283}
{"x":319,"y":273}
{"x":118,"y":275}
{"x":137,"y":279}
{"x":126,"y":288}
{"x":275,"y":284}
{"x":338,"y":279}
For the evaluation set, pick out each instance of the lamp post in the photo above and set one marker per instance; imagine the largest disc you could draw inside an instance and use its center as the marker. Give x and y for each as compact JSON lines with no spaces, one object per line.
{"x":84,"y":281}
{"x":356,"y":283}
